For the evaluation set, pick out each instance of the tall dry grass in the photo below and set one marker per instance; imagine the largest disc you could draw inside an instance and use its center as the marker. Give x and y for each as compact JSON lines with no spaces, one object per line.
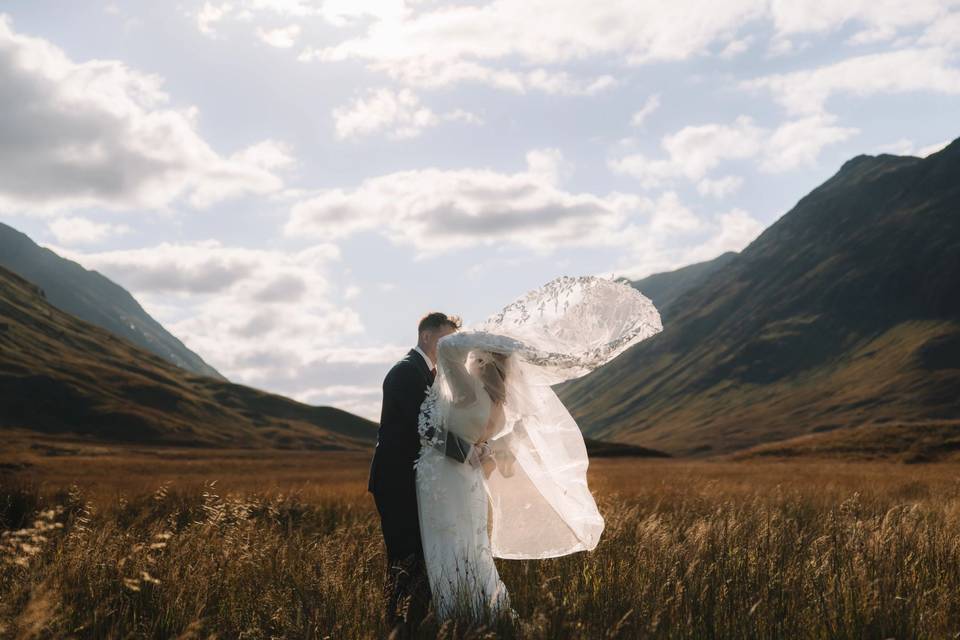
{"x":690,"y":551}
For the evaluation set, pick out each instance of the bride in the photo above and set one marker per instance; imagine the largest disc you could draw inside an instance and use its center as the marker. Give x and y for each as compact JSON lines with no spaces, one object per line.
{"x":524,"y":494}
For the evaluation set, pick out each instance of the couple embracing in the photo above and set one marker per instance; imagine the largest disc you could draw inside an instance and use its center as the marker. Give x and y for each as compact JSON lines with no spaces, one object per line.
{"x":476,"y":456}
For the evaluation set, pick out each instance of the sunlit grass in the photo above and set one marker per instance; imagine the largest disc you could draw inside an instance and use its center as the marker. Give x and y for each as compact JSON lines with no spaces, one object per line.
{"x":690,"y":550}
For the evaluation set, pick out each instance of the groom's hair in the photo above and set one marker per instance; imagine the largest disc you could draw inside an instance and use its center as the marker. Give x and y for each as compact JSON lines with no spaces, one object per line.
{"x":435,"y":320}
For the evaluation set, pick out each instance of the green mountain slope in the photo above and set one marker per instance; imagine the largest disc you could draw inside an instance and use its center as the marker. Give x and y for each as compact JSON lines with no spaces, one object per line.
{"x":664,"y":289}
{"x":61,"y":375}
{"x":844,"y":312}
{"x":90,"y":296}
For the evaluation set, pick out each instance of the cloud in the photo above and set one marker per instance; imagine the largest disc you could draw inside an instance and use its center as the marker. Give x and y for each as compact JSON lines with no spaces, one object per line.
{"x":399,"y":111}
{"x":736,"y":47}
{"x":254,"y":314}
{"x":906,"y":147}
{"x":210,"y":14}
{"x":942,"y":33}
{"x":517,"y":45}
{"x":74,"y":230}
{"x":650,"y":106}
{"x":931,"y":149}
{"x":799,"y":142}
{"x":670,"y":216}
{"x":468,"y":42}
{"x":99,"y":134}
{"x":907,"y":70}
{"x":881,"y":19}
{"x":209,"y":267}
{"x":282,"y":37}
{"x":345,"y":13}
{"x":729,"y":231}
{"x":695,"y":151}
{"x":720,"y":187}
{"x":363,"y":400}
{"x":435,"y":210}
{"x":434,"y":74}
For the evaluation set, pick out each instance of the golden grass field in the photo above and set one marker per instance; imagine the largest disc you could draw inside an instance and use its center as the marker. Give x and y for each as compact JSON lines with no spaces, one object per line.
{"x":108,"y":542}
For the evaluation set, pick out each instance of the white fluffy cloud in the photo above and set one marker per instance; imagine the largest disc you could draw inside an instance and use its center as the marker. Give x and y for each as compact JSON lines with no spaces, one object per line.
{"x":363,"y":400}
{"x":100,"y":134}
{"x":254,"y":314}
{"x":434,"y":209}
{"x":443,"y":42}
{"x":729,"y":231}
{"x":907,"y":70}
{"x":399,"y":112}
{"x":876,"y":19}
{"x":75,"y":230}
{"x":518,"y":44}
{"x":799,"y":142}
{"x":281,"y":37}
{"x":719,"y":187}
{"x":461,"y":42}
{"x":694,"y":151}
{"x":434,"y":74}
{"x":649,"y":107}
{"x":210,"y":14}
{"x":906,"y":147}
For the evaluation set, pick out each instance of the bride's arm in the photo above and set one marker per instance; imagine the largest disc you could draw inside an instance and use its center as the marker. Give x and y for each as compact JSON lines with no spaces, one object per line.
{"x":452,"y":352}
{"x":451,"y":356}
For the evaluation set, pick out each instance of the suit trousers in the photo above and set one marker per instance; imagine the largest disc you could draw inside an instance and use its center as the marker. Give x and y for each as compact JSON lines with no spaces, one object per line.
{"x":406,"y":588}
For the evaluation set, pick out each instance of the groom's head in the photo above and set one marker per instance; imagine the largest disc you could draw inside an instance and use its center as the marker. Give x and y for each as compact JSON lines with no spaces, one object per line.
{"x":432,"y":327}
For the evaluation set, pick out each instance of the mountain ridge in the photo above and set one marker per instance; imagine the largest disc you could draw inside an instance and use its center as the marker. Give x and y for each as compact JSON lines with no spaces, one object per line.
{"x":91,"y":296}
{"x":60,"y":375}
{"x":771,"y":345}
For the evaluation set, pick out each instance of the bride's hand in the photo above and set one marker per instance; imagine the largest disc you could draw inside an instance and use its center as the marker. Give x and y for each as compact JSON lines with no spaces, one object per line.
{"x":478,"y":453}
{"x":504,"y":461}
{"x":488,"y":464}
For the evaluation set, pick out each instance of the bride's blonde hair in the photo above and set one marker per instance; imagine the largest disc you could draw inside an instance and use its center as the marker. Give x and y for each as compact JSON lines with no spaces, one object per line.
{"x":493,"y":374}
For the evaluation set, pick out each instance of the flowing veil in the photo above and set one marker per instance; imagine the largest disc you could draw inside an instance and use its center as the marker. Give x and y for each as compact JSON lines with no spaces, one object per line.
{"x":541,"y":505}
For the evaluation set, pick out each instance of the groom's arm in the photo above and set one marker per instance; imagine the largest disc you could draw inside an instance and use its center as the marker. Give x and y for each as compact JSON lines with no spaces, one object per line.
{"x":405,"y":389}
{"x":403,"y":392}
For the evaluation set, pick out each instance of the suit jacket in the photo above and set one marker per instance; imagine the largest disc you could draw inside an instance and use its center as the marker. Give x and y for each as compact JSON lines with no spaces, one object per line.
{"x":398,"y":438}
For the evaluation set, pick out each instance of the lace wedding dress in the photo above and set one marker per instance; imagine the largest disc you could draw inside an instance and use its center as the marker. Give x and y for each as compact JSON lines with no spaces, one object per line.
{"x":531,"y":500}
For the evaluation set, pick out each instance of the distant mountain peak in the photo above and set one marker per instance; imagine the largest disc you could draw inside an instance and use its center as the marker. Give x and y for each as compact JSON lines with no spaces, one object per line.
{"x":61,"y":375}
{"x":92,"y":297}
{"x":843,"y":312}
{"x":951,"y":150}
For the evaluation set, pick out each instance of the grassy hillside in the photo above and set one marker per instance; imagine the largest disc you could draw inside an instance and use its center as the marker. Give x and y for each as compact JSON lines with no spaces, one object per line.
{"x":844,"y":312}
{"x":664,"y":289}
{"x":61,"y":375}
{"x":691,"y":549}
{"x":90,"y":296}
{"x":931,"y":441}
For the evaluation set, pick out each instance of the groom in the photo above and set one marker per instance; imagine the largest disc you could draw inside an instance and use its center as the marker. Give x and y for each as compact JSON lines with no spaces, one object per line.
{"x":392,"y":478}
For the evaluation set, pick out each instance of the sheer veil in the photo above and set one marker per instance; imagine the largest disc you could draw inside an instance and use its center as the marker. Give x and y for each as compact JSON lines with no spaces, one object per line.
{"x":541,"y":505}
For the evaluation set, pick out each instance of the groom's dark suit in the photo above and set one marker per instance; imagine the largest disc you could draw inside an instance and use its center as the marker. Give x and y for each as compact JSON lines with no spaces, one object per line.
{"x":393,"y":484}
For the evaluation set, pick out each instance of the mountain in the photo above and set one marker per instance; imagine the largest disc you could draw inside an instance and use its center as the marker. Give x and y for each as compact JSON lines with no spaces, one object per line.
{"x":665,"y":288}
{"x":62,"y":375}
{"x":604,"y":449}
{"x":916,"y":442}
{"x":845,"y":312}
{"x":90,"y":296}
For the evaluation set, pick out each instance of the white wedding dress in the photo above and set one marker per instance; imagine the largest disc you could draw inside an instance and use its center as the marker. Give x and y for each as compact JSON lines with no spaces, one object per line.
{"x":535,"y":502}
{"x":452,"y":503}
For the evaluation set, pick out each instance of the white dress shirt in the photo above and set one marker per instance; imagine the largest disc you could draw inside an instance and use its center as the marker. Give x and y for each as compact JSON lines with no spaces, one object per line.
{"x":426,"y":358}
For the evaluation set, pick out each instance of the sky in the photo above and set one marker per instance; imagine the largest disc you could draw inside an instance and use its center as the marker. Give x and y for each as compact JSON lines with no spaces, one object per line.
{"x":289,"y":185}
